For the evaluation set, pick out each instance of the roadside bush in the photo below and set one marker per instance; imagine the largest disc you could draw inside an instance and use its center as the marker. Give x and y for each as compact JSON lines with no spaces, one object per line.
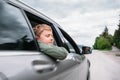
{"x":103,"y":44}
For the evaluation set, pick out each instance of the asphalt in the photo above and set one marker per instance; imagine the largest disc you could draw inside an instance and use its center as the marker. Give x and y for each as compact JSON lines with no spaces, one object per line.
{"x":105,"y":65}
{"x":115,"y":51}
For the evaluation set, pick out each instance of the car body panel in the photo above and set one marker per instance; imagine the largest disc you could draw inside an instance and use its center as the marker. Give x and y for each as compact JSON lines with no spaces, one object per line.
{"x":28,"y":66}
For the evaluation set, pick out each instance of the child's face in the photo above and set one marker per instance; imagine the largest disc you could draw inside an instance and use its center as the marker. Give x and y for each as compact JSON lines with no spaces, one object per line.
{"x":46,"y":37}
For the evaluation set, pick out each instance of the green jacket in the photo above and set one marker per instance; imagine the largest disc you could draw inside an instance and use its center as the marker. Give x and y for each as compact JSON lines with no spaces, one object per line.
{"x":53,"y":51}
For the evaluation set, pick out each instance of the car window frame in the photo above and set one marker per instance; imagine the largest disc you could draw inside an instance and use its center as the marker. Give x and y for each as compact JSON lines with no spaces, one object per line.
{"x":38,"y":19}
{"x":59,"y":33}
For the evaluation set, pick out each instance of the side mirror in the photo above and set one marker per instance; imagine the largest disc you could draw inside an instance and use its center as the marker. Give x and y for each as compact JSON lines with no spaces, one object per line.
{"x":86,"y":50}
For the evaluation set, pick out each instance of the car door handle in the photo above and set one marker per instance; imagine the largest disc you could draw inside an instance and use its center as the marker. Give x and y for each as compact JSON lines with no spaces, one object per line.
{"x":43,"y":66}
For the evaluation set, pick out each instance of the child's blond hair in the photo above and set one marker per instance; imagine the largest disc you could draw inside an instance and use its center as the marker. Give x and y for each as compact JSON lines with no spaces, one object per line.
{"x":38,"y":29}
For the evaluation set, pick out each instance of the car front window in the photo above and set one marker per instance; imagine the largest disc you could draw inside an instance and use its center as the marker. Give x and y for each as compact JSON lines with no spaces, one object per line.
{"x":14,"y":31}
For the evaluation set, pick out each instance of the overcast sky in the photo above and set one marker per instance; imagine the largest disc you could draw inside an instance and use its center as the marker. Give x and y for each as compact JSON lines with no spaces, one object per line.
{"x":84,"y":20}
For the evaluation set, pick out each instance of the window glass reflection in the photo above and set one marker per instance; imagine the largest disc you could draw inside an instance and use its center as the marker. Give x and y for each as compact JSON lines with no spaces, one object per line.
{"x":14,"y":31}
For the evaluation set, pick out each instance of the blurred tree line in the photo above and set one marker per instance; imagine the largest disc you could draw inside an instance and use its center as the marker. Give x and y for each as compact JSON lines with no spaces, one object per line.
{"x":105,"y":41}
{"x":117,"y":37}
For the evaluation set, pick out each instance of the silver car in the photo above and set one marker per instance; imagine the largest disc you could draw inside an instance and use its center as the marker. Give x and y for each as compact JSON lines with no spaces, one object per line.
{"x":20,"y":54}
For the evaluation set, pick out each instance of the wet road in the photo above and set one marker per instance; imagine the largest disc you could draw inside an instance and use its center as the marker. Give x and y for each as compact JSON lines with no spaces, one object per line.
{"x":104,"y":65}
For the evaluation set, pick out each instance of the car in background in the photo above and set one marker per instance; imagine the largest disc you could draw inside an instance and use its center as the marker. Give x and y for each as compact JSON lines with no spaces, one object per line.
{"x":20,"y":54}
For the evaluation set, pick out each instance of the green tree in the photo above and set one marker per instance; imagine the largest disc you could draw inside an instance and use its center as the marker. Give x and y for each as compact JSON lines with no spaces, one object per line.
{"x":105,"y":32}
{"x":110,"y":39}
{"x":104,"y":41}
{"x":117,"y":37}
{"x":103,"y":44}
{"x":95,"y":44}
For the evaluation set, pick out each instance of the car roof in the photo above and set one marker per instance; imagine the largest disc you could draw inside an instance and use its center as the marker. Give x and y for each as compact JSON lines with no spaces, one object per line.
{"x":30,"y":9}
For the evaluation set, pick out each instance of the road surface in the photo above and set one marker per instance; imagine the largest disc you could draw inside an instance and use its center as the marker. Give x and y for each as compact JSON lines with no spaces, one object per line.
{"x":104,"y":65}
